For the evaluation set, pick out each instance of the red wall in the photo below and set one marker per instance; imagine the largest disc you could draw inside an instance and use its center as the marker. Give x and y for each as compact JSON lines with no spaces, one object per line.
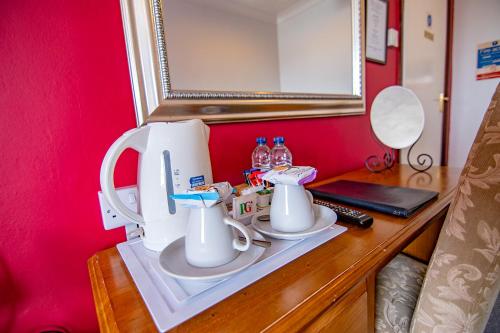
{"x":64,"y":97}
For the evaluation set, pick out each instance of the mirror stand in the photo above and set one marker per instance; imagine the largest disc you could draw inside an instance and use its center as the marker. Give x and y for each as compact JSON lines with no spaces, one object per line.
{"x":375,"y":164}
{"x":422,"y":160}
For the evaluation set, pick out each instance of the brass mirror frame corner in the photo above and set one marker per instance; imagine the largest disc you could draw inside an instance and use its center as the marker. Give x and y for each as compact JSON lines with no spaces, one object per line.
{"x":154,"y":100}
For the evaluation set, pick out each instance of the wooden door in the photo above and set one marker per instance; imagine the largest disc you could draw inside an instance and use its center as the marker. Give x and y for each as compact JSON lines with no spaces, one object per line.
{"x":424,"y":68}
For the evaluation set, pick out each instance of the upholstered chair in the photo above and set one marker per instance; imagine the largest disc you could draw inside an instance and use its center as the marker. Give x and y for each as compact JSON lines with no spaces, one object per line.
{"x":457,"y":290}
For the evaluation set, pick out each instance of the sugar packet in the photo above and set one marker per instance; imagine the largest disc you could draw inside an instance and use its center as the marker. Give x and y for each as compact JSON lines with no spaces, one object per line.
{"x":290,"y":175}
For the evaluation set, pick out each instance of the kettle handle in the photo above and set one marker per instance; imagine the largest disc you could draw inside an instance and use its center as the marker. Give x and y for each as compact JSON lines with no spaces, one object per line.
{"x":136,"y":139}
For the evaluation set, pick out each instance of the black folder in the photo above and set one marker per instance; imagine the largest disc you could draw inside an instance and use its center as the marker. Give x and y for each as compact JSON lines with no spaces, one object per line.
{"x":399,"y":201}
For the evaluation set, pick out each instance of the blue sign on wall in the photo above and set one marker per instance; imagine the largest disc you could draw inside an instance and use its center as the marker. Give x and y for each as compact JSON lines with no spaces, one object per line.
{"x":488,"y":60}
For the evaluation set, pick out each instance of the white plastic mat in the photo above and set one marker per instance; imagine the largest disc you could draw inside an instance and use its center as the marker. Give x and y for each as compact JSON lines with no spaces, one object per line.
{"x":172,"y":301}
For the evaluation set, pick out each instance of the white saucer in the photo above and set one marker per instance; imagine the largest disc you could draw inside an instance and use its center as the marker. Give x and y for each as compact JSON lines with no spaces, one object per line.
{"x":325,"y":218}
{"x":173,"y":262}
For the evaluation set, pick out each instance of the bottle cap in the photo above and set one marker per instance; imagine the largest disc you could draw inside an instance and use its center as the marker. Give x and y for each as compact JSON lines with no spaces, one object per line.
{"x":261,"y":140}
{"x":279,"y":140}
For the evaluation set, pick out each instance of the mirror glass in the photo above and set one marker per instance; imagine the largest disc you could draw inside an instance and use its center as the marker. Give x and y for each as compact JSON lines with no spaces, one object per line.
{"x":292,"y":46}
{"x":397,"y":117}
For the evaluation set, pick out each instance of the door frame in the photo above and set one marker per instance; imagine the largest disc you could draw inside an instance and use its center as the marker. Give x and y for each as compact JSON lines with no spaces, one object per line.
{"x":447,"y":83}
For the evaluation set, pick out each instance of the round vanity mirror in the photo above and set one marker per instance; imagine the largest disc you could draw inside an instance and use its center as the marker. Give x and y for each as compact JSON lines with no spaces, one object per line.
{"x":397,"y":117}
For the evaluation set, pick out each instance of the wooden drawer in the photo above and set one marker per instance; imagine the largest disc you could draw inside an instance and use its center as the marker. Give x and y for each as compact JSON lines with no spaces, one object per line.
{"x":349,"y":314}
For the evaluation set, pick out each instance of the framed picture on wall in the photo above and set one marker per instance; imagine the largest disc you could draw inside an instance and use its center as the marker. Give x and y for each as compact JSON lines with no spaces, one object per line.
{"x":376,"y":30}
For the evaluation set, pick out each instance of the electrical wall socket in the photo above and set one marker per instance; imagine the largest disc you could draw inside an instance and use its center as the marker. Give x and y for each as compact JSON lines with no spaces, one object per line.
{"x":392,"y":37}
{"x":110,"y":217}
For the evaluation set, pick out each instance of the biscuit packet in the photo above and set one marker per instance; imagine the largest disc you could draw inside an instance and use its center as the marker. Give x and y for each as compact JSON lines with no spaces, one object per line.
{"x":290,"y":175}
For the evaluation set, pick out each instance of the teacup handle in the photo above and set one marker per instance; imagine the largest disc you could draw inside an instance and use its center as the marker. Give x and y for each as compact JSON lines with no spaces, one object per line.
{"x":236,"y":243}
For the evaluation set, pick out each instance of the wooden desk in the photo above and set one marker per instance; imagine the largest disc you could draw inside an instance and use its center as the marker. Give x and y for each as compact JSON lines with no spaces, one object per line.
{"x":328,"y":289}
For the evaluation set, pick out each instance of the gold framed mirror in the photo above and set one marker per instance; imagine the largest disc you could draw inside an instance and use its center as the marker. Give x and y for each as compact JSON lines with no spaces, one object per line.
{"x":245,"y":60}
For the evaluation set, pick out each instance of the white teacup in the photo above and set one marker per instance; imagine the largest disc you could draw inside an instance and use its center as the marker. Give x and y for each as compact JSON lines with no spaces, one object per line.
{"x":291,"y":208}
{"x":211,"y":239}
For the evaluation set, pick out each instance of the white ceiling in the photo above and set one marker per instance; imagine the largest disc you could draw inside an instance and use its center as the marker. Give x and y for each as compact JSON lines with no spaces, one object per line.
{"x":272,"y":7}
{"x":264,"y":10}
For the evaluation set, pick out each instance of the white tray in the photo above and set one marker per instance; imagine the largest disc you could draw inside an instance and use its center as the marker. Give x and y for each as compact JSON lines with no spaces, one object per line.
{"x":172,"y":301}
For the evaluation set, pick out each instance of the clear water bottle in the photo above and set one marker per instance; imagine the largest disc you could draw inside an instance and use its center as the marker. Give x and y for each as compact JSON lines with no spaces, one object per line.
{"x":261,"y":154}
{"x":280,"y":155}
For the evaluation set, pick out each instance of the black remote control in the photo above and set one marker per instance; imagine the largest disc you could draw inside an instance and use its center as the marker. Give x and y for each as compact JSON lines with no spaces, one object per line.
{"x":347,"y":214}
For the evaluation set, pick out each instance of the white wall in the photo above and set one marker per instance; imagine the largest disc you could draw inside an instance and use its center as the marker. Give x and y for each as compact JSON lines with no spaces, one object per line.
{"x":475,"y":22}
{"x":198,"y":53}
{"x":315,"y":49}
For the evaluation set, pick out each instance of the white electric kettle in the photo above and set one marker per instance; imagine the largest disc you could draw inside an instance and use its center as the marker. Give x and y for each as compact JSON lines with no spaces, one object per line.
{"x":173,"y":157}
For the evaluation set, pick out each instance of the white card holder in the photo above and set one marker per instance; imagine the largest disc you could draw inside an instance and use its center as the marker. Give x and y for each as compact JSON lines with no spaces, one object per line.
{"x":244,"y":206}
